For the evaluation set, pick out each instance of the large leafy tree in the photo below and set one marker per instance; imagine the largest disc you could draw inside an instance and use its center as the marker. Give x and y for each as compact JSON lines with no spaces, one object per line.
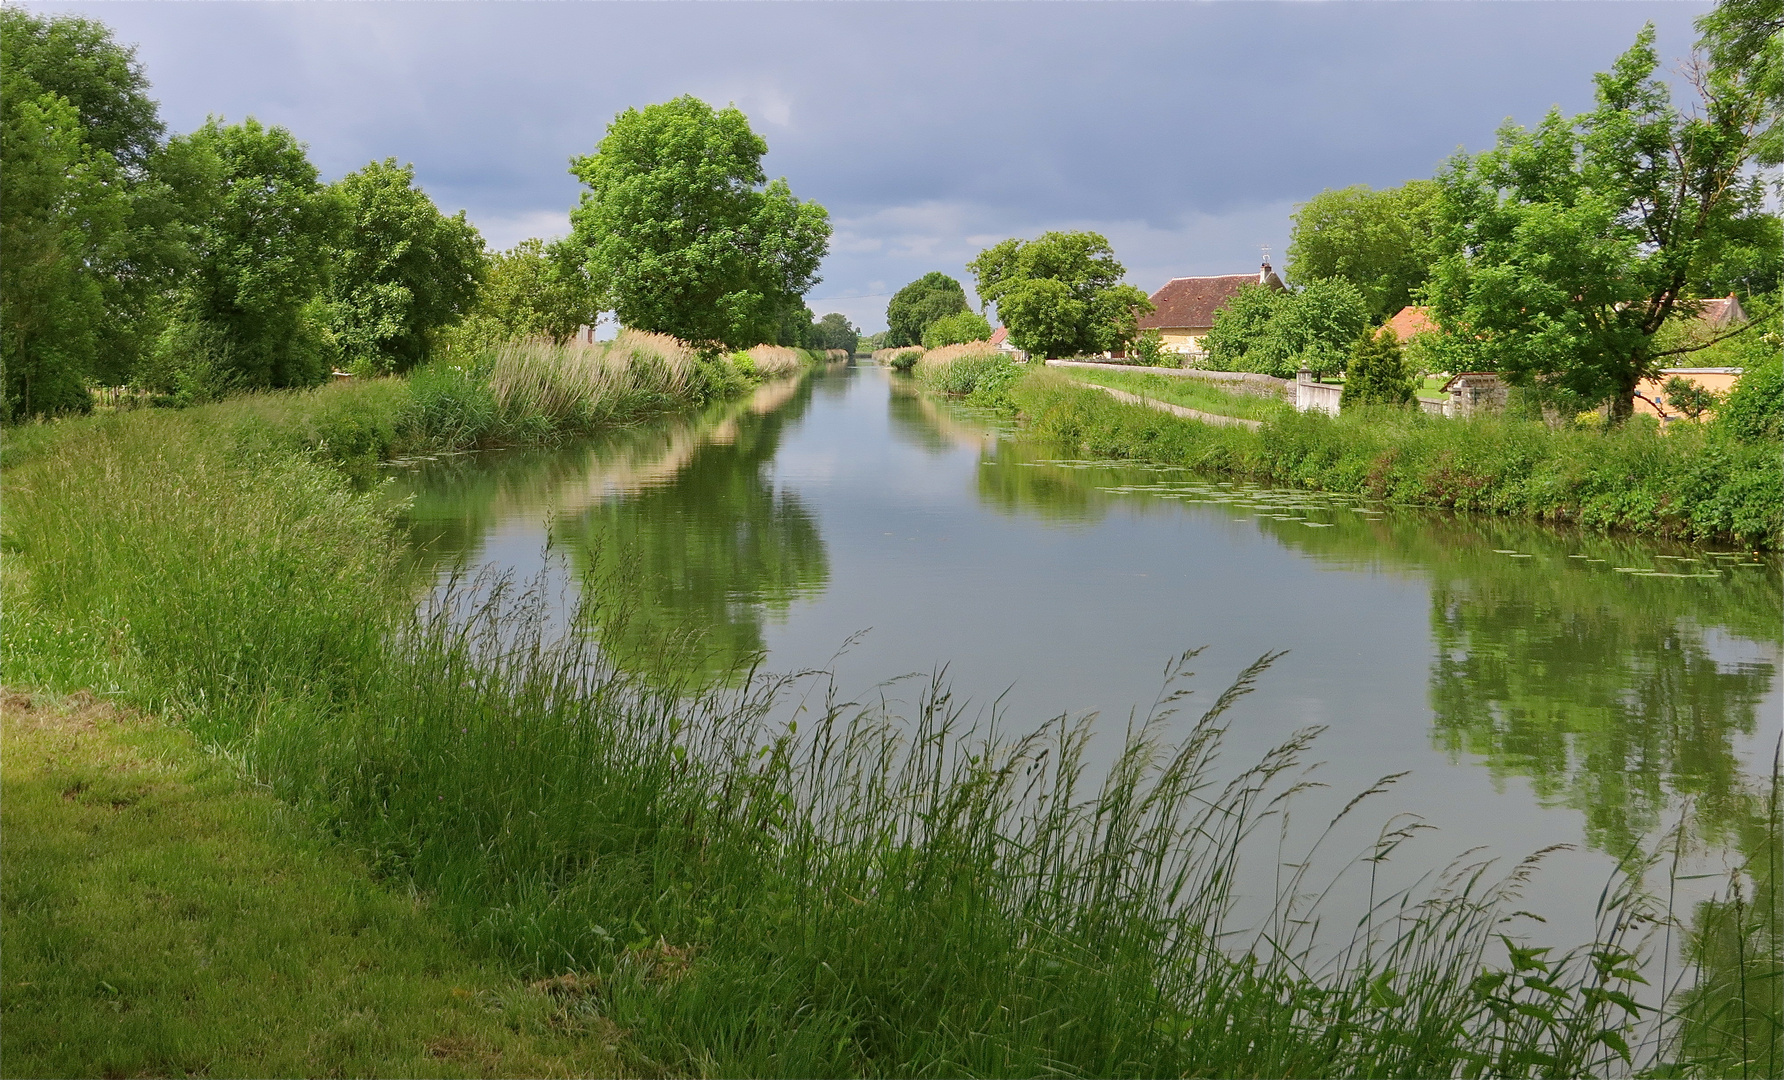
{"x":403,"y":270}
{"x":263,"y":257}
{"x":684,"y":233}
{"x":1379,"y":241}
{"x":933,"y":296}
{"x":94,"y":210}
{"x":534,"y":289}
{"x":1569,"y":247}
{"x":834,"y":331}
{"x":1277,"y":333}
{"x":1060,"y":294}
{"x":1743,"y":42}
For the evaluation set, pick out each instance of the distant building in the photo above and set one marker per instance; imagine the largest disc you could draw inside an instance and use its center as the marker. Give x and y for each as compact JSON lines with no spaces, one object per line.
{"x":1721,"y":314}
{"x":1000,"y":340}
{"x":1184,"y":308}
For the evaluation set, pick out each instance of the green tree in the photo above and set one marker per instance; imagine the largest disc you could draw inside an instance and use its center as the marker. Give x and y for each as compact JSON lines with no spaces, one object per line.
{"x":834,"y":331}
{"x":1377,"y":374}
{"x":1744,"y":44}
{"x":1242,"y":326}
{"x":1569,"y":247}
{"x":263,"y":257}
{"x":956,"y":329}
{"x":1379,"y":241}
{"x":1060,"y":294}
{"x":933,"y":296}
{"x":533,"y":289}
{"x":94,"y":210}
{"x":682,"y":233}
{"x":403,"y":270}
{"x":1277,"y":333}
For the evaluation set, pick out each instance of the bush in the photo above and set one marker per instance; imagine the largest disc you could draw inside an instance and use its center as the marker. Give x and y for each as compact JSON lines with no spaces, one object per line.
{"x":1754,"y":410}
{"x":905,"y":360}
{"x":1148,"y":350}
{"x":1377,"y":373}
{"x":957,"y":329}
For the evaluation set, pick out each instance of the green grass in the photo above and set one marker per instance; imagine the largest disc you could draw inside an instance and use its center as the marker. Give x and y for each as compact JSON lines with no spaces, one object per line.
{"x":866,"y":893}
{"x":1697,"y":482}
{"x":1191,"y":393}
{"x":164,"y":918}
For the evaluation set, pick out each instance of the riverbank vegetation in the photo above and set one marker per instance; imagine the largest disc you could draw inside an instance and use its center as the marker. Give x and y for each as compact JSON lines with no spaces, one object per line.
{"x":863,"y":892}
{"x":1190,"y":393}
{"x":1696,"y":481}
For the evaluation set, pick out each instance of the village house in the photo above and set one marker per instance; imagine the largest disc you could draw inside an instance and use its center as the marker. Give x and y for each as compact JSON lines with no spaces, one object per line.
{"x":1183,"y":309}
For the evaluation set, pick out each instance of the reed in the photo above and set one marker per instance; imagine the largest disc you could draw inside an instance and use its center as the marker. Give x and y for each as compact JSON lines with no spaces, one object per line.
{"x":867,"y":891}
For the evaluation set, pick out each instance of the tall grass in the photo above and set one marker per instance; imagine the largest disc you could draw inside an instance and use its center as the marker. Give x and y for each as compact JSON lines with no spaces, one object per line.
{"x":1695,"y":482}
{"x":862,"y":892}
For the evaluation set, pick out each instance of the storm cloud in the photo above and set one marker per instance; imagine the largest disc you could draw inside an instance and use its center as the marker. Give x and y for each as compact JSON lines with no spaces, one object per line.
{"x":1185,"y":132}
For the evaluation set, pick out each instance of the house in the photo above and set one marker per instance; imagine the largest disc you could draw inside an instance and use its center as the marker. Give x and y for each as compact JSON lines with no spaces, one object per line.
{"x":1650,"y":393}
{"x":1183,"y":309}
{"x":1000,"y":340}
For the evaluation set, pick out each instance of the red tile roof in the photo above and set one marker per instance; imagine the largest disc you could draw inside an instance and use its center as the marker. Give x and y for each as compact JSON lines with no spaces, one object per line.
{"x":1190,"y":302}
{"x":998,"y":335}
{"x":1410,"y":321}
{"x":1723,"y":313}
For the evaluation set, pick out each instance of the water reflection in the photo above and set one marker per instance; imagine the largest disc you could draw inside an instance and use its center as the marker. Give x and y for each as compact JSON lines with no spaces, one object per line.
{"x":1615,"y":676}
{"x":675,"y":529}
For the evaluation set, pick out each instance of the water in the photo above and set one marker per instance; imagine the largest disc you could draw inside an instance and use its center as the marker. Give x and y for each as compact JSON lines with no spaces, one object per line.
{"x":1538,"y":686}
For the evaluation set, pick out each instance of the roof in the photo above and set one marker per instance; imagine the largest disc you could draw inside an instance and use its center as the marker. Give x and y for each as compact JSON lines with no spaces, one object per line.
{"x":998,"y":335}
{"x":1721,"y":313}
{"x":1192,"y":301}
{"x":1410,"y":321}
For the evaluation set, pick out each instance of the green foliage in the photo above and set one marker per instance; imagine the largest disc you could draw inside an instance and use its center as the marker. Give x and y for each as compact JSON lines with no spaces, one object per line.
{"x":958,"y":329}
{"x":1754,"y":410}
{"x":906,"y":360}
{"x":532,"y":290}
{"x":94,"y":212}
{"x":1148,"y":350}
{"x":1688,"y":397}
{"x":263,"y":256}
{"x":1695,"y":481}
{"x":682,"y":235}
{"x":1060,"y":294}
{"x":933,"y":296}
{"x":402,"y":270}
{"x":1277,"y":333}
{"x":1379,"y":241}
{"x":834,"y":331}
{"x":1568,"y":247}
{"x":1377,"y":373}
{"x":981,"y":375}
{"x":1744,"y":47}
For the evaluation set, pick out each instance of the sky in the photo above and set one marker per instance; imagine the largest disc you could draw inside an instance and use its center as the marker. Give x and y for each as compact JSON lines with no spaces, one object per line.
{"x":1186,"y":133}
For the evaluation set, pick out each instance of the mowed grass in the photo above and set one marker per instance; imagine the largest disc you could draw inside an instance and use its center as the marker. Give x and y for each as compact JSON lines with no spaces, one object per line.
{"x":162,"y":917}
{"x":1187,"y":391}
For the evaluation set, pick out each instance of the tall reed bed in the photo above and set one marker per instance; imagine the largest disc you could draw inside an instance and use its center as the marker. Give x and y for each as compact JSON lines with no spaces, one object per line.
{"x":862,"y":892}
{"x":1694,"y":481}
{"x":974,"y":370}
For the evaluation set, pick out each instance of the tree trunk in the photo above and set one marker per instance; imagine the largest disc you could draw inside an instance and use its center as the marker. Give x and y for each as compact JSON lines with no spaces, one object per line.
{"x":1623,"y":404}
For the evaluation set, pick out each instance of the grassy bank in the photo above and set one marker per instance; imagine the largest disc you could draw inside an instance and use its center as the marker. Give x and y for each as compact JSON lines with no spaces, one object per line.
{"x":1695,"y":482}
{"x":164,"y":918}
{"x":861,"y":894}
{"x":522,"y":394}
{"x":1189,"y":393}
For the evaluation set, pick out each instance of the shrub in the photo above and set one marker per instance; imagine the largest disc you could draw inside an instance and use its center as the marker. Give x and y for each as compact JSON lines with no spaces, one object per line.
{"x":1755,"y":407}
{"x":904,"y":359}
{"x":1377,"y":373}
{"x":1149,"y":350}
{"x":957,"y":329}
